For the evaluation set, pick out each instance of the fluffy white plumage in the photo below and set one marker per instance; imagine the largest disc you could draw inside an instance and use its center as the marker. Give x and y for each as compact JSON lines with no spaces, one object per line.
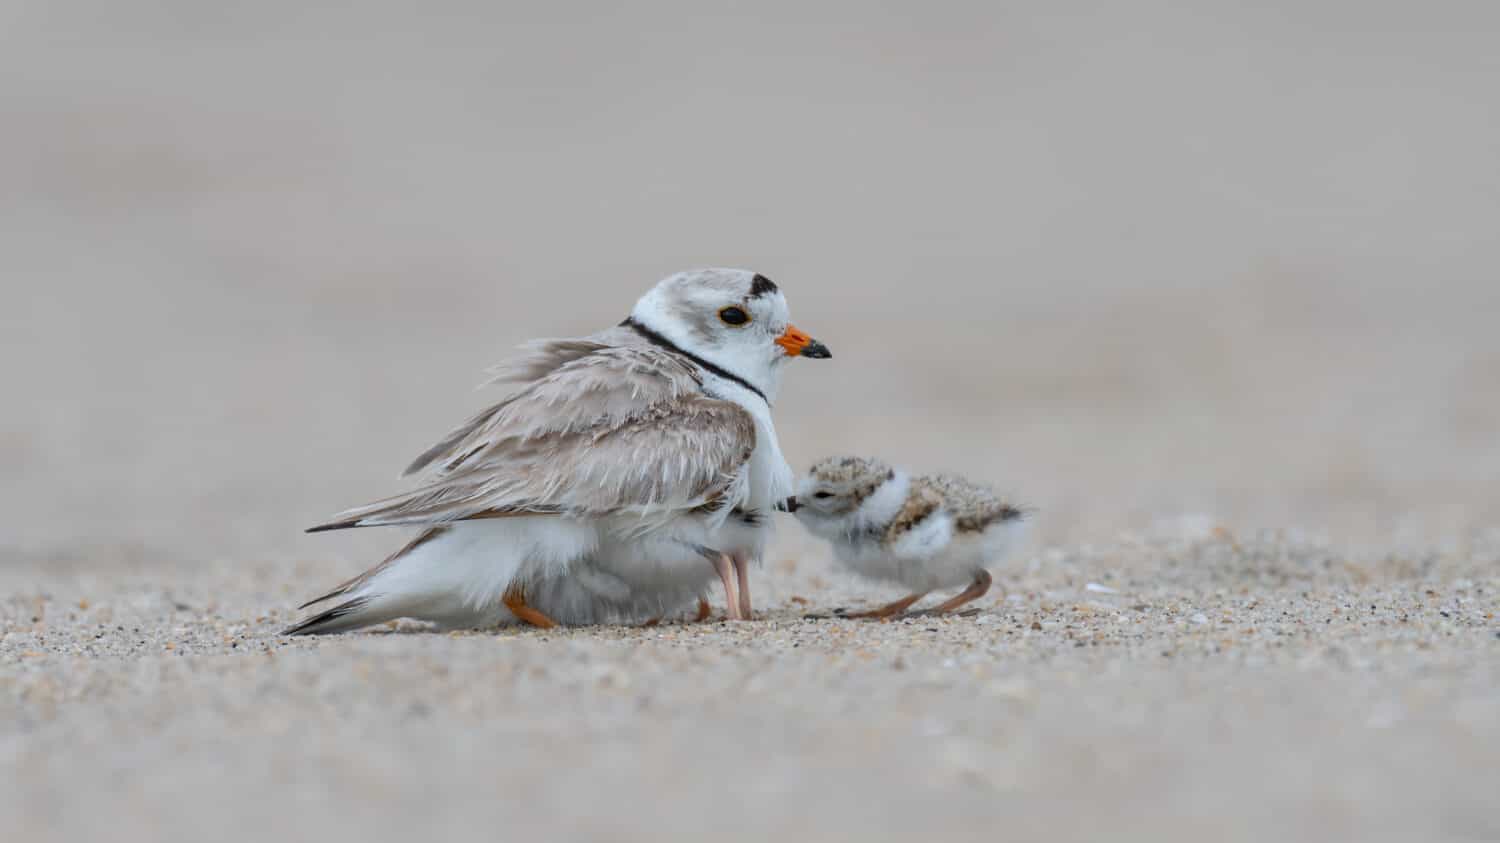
{"x":601,"y":487}
{"x":923,"y":533}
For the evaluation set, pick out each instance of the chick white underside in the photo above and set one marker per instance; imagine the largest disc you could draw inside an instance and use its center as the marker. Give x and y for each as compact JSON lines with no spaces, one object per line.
{"x":932,"y":555}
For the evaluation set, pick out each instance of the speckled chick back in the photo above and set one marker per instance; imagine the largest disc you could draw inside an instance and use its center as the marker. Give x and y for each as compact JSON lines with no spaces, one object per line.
{"x":973,"y":507}
{"x":921,"y":502}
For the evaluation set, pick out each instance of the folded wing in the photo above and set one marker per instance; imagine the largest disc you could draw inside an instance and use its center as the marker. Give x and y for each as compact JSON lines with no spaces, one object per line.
{"x":611,"y":430}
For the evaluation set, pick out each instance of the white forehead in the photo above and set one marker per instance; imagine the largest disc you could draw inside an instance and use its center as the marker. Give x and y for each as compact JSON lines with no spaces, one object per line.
{"x":696,"y":289}
{"x":713,"y":278}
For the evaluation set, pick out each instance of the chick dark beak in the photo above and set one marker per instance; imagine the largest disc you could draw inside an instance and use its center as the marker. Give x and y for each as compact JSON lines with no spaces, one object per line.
{"x":788,"y":505}
{"x":817,"y":351}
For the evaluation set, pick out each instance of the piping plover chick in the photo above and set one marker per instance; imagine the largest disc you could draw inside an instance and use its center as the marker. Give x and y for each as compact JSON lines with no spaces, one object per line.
{"x":626,"y":470}
{"x":925,"y":533}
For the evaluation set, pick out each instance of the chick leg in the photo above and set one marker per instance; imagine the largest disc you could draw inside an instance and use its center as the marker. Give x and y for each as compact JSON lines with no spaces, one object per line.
{"x":515,"y":601}
{"x":975,"y":591}
{"x":890,"y":609}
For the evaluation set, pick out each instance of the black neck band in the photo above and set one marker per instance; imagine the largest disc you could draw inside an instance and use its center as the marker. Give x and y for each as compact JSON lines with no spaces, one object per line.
{"x":662,"y":342}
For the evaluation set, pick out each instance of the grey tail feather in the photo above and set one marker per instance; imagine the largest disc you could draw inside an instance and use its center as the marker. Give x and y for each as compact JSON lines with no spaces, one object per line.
{"x":1017,"y":512}
{"x":329,"y":596}
{"x":354,"y":582}
{"x":335,"y":525}
{"x":423,"y":519}
{"x":336,"y":619}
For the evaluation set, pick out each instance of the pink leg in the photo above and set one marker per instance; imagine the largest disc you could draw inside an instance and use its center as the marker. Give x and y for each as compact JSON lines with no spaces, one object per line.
{"x":742,"y":573}
{"x":727,"y":576}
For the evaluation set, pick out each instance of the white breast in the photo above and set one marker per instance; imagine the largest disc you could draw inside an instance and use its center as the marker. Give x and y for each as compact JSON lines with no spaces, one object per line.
{"x":768,"y":478}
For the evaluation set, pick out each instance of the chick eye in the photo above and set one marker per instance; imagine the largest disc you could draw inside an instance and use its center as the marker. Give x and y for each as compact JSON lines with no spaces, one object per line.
{"x":822,"y":494}
{"x":734,"y":316}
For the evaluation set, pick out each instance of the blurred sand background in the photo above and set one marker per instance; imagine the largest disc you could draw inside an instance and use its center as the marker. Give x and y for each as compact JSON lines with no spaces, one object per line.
{"x":1214,"y":287}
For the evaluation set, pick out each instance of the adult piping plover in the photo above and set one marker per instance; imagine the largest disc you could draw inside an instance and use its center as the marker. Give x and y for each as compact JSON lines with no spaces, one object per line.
{"x":925,"y":533}
{"x":598,"y":489}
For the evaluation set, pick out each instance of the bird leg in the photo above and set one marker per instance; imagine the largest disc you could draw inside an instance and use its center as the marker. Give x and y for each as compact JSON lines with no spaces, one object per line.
{"x":975,"y":591}
{"x":724,"y":567}
{"x":515,"y":601}
{"x":742,"y":572}
{"x":890,"y":609}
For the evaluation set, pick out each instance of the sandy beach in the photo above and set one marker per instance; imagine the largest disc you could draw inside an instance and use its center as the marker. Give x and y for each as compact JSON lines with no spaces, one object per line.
{"x":1214,"y":293}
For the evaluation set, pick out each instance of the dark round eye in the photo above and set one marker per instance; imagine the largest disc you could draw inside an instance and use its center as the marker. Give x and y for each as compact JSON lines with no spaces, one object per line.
{"x":734,"y":316}
{"x":823,"y":494}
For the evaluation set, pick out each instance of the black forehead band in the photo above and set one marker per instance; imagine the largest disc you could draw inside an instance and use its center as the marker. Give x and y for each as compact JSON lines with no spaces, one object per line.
{"x":760,"y":285}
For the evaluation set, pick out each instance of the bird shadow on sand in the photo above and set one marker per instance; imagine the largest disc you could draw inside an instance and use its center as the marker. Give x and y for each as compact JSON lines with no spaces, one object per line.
{"x":843,"y":614}
{"x":411,"y":628}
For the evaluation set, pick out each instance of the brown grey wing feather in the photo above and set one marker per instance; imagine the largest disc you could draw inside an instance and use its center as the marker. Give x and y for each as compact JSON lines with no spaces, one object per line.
{"x":536,"y":360}
{"x":633,"y":438}
{"x":600,"y":385}
{"x":675,"y":459}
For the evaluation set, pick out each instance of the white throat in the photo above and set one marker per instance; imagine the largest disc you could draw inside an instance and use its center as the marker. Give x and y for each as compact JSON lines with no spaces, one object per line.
{"x":758,"y":373}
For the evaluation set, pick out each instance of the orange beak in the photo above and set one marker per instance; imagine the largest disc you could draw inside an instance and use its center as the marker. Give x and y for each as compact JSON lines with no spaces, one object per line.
{"x":798,"y":344}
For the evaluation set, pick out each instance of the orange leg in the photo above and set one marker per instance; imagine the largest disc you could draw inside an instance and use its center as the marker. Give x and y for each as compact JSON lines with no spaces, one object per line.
{"x":515,"y":601}
{"x":975,"y":591}
{"x":652,"y":622}
{"x":704,"y":610}
{"x":890,"y":609}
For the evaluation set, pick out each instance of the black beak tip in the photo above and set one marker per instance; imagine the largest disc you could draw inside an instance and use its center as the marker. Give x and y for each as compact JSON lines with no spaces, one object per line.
{"x":816,"y":351}
{"x":788,"y":505}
